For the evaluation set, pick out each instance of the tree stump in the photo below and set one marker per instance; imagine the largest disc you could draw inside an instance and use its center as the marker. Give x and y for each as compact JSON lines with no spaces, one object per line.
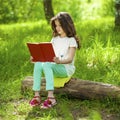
{"x":82,"y":89}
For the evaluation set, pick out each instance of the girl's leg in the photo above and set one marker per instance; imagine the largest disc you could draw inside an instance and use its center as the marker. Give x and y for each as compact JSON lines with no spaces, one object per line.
{"x":37,"y":76}
{"x":36,"y":84}
{"x":49,"y":69}
{"x":48,"y":72}
{"x":59,"y":70}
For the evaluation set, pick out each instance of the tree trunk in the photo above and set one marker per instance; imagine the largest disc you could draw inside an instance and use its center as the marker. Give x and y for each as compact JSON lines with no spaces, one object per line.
{"x":117,"y":17}
{"x":48,"y":9}
{"x":77,"y":88}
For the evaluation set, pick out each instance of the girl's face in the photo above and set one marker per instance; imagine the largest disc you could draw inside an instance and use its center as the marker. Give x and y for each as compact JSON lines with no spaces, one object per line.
{"x":59,"y":29}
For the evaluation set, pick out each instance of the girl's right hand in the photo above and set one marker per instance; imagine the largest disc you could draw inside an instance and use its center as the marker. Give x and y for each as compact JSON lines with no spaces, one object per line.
{"x":56,"y":60}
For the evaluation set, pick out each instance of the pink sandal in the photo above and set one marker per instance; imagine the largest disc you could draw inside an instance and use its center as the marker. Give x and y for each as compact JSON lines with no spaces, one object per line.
{"x":35,"y":102}
{"x":48,"y":103}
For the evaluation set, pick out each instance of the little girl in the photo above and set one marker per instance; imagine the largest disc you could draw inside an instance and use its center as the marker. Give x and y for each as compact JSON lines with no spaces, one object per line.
{"x":64,"y":43}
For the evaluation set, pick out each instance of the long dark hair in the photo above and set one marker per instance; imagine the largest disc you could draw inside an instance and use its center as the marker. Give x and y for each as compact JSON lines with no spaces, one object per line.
{"x":67,"y":25}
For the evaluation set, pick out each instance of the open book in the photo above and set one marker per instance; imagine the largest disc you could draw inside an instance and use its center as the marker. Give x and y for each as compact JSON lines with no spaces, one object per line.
{"x":42,"y":52}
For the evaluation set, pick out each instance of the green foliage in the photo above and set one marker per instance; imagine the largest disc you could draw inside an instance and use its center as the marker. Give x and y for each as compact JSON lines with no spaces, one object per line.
{"x":71,"y":6}
{"x":85,"y":9}
{"x":117,"y":1}
{"x":108,"y":8}
{"x":98,"y":59}
{"x":94,"y":115}
{"x":12,"y":11}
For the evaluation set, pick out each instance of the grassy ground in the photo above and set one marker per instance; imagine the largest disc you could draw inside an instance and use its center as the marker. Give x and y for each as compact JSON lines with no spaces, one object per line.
{"x":98,"y":60}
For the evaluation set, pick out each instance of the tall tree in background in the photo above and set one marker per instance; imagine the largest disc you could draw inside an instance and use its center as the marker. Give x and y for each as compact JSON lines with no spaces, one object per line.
{"x":117,"y":17}
{"x":48,"y":9}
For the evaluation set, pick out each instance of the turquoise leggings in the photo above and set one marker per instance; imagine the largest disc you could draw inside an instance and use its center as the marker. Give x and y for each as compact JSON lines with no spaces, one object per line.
{"x":50,"y":70}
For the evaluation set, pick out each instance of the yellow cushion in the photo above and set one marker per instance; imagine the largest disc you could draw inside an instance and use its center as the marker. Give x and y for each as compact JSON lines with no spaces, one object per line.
{"x":60,"y":82}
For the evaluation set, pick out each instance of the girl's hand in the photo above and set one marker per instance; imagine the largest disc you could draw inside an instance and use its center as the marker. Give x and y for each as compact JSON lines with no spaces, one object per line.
{"x":71,"y":54}
{"x":31,"y":59}
{"x":56,"y":60}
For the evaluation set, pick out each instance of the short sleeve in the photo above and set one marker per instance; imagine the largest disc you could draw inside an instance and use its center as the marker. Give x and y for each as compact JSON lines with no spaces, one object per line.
{"x":73,"y":42}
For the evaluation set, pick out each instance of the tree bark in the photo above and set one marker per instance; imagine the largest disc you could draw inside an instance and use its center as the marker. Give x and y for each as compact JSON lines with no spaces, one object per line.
{"x":117,"y":16}
{"x":48,"y":9}
{"x":76,"y":88}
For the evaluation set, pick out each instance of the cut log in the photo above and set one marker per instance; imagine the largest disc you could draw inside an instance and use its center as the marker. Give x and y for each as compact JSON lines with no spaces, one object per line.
{"x":77,"y":88}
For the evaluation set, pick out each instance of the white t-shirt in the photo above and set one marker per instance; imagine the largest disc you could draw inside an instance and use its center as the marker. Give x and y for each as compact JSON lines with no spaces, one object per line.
{"x":61,"y":47}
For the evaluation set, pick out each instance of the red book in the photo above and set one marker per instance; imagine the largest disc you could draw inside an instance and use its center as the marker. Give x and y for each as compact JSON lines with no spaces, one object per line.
{"x":42,"y":52}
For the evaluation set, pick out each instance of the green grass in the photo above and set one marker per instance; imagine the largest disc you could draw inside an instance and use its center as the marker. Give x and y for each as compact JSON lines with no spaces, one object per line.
{"x":97,"y":60}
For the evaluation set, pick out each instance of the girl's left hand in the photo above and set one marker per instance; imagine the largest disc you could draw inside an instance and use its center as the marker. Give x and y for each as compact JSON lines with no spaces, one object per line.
{"x":56,"y":60}
{"x":31,"y":59}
